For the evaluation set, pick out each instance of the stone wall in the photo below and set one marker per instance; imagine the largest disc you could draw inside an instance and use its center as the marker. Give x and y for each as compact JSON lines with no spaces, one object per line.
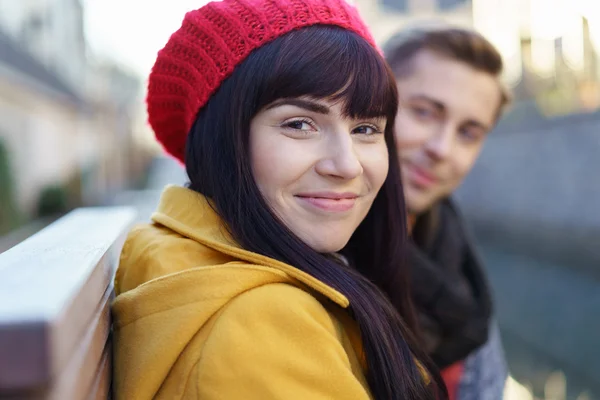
{"x":537,"y":191}
{"x":533,"y":201}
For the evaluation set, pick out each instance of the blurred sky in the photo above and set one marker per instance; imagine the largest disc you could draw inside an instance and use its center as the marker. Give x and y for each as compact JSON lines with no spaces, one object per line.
{"x":132,"y":31}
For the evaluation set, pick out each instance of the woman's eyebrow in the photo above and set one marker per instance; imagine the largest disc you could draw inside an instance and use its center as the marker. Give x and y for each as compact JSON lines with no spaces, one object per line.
{"x":301,"y":103}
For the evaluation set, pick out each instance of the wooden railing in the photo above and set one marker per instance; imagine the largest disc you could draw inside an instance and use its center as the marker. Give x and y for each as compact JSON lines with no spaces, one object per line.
{"x":55,"y":294}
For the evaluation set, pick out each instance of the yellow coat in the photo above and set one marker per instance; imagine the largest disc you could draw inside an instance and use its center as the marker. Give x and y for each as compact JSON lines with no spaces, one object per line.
{"x":198,"y":317}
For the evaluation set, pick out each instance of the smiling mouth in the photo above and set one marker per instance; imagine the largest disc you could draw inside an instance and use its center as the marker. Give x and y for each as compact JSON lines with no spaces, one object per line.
{"x":329,"y":202}
{"x":420,"y":176}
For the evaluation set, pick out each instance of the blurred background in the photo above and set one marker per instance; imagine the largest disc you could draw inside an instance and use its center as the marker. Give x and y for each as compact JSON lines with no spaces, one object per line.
{"x":73,"y":133}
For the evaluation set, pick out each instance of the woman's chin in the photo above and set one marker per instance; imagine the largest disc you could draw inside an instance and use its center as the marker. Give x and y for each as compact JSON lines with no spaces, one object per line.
{"x":327,"y":245}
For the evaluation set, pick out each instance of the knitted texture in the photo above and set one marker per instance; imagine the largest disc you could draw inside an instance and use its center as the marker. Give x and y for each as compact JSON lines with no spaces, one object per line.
{"x":212,"y":41}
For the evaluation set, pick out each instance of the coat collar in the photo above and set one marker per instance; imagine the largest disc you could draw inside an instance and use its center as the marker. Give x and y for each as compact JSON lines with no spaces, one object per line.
{"x":191,"y":215}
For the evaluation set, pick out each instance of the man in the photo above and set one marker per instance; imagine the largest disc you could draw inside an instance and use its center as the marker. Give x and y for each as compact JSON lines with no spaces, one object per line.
{"x":450,"y":98}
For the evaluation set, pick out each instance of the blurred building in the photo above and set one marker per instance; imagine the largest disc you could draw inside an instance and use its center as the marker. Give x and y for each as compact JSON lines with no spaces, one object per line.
{"x":52,"y":30}
{"x":114,"y":95}
{"x":551,"y":47}
{"x":65,"y":118}
{"x":385,"y":17}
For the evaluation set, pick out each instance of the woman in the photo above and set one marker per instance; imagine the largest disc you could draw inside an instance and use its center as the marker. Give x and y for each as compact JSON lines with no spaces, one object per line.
{"x":269,"y":277}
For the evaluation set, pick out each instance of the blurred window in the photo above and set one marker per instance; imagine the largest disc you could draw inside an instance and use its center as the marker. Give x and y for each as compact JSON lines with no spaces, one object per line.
{"x":397,"y":5}
{"x":450,"y":4}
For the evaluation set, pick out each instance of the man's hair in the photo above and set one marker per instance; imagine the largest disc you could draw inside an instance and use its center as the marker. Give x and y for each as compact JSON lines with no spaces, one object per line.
{"x":455,"y":43}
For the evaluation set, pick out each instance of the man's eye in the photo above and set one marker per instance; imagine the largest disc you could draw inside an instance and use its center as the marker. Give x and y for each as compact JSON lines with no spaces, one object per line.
{"x":470,"y":135}
{"x":423,"y":112}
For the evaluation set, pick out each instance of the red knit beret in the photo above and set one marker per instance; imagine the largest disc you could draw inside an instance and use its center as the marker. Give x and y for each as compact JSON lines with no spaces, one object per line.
{"x":212,"y":41}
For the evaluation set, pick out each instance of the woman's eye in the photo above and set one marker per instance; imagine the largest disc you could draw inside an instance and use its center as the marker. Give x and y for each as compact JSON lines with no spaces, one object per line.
{"x":366,"y":130}
{"x":301,"y":125}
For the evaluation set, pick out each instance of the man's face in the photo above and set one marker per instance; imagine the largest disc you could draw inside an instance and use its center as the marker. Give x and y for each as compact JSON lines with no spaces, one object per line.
{"x":446,"y":110}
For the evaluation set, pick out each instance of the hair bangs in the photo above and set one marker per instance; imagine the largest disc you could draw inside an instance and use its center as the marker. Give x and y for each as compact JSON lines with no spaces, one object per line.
{"x":331,"y":63}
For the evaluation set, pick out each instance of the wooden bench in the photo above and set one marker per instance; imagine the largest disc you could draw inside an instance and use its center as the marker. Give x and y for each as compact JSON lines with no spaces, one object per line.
{"x":55,"y":295}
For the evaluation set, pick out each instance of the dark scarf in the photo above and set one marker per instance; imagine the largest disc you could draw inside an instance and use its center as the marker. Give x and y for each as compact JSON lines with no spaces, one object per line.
{"x":450,"y":290}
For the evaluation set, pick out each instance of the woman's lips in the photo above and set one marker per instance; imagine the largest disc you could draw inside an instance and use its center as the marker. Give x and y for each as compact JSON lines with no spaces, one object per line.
{"x":329,"y":201}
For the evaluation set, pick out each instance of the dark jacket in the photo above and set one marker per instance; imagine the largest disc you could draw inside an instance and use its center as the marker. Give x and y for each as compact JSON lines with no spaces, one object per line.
{"x":451,"y":293}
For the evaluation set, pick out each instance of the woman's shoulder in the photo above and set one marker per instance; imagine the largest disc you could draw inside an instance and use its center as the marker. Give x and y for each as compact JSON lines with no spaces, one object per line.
{"x":289,"y":332}
{"x":280,"y":302}
{"x":153,"y":251}
{"x":287,"y":314}
{"x":241,"y":322}
{"x":157,"y":262}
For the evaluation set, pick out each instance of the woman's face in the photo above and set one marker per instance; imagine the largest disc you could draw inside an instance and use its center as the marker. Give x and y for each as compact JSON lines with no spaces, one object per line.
{"x":318,"y":170}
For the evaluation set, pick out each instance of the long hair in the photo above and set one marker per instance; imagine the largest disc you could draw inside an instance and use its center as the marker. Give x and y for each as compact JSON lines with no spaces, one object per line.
{"x":326,"y":63}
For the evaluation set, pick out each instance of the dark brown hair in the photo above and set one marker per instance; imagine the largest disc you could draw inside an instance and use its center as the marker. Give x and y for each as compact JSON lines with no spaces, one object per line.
{"x":324,"y":63}
{"x":455,"y":43}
